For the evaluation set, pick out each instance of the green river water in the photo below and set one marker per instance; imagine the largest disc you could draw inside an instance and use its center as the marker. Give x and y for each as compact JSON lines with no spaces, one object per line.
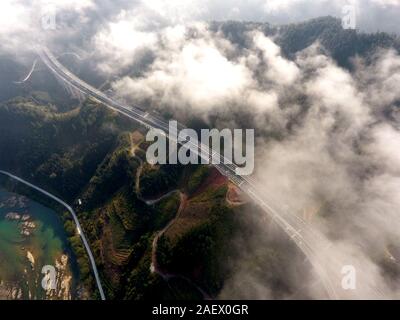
{"x":44,"y":240}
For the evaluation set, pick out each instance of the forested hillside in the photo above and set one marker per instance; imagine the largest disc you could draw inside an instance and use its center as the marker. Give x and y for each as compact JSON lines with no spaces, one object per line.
{"x":91,"y":154}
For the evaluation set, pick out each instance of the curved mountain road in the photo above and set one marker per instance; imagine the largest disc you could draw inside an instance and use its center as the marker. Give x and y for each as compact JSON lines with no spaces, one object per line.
{"x":155,"y":267}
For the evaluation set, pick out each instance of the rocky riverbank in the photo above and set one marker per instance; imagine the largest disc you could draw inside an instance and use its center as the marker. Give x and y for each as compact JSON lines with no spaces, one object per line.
{"x":33,"y":261}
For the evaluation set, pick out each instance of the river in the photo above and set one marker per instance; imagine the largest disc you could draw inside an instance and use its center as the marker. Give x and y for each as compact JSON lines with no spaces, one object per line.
{"x":32,"y":236}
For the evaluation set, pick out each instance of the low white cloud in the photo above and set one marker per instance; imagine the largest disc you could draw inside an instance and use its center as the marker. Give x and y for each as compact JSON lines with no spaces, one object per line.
{"x":119,"y":41}
{"x":335,"y":162}
{"x":23,"y":24}
{"x":192,"y":72}
{"x":278,"y":69}
{"x":20,"y":19}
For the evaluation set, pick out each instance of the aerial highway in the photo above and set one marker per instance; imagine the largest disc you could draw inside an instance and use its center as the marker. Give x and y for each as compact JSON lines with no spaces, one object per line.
{"x":312,"y":243}
{"x":78,"y":226}
{"x":28,"y":75}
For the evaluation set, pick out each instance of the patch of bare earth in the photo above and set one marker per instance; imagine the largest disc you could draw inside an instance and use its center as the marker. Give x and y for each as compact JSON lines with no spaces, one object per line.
{"x":234,"y":196}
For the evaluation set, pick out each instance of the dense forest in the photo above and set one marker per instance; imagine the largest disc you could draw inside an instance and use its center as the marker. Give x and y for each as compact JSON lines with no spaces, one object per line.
{"x":343,"y":45}
{"x":86,"y":154}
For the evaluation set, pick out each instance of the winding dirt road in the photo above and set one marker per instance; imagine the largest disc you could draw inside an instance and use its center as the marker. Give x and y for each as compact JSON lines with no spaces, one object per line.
{"x":155,"y":267}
